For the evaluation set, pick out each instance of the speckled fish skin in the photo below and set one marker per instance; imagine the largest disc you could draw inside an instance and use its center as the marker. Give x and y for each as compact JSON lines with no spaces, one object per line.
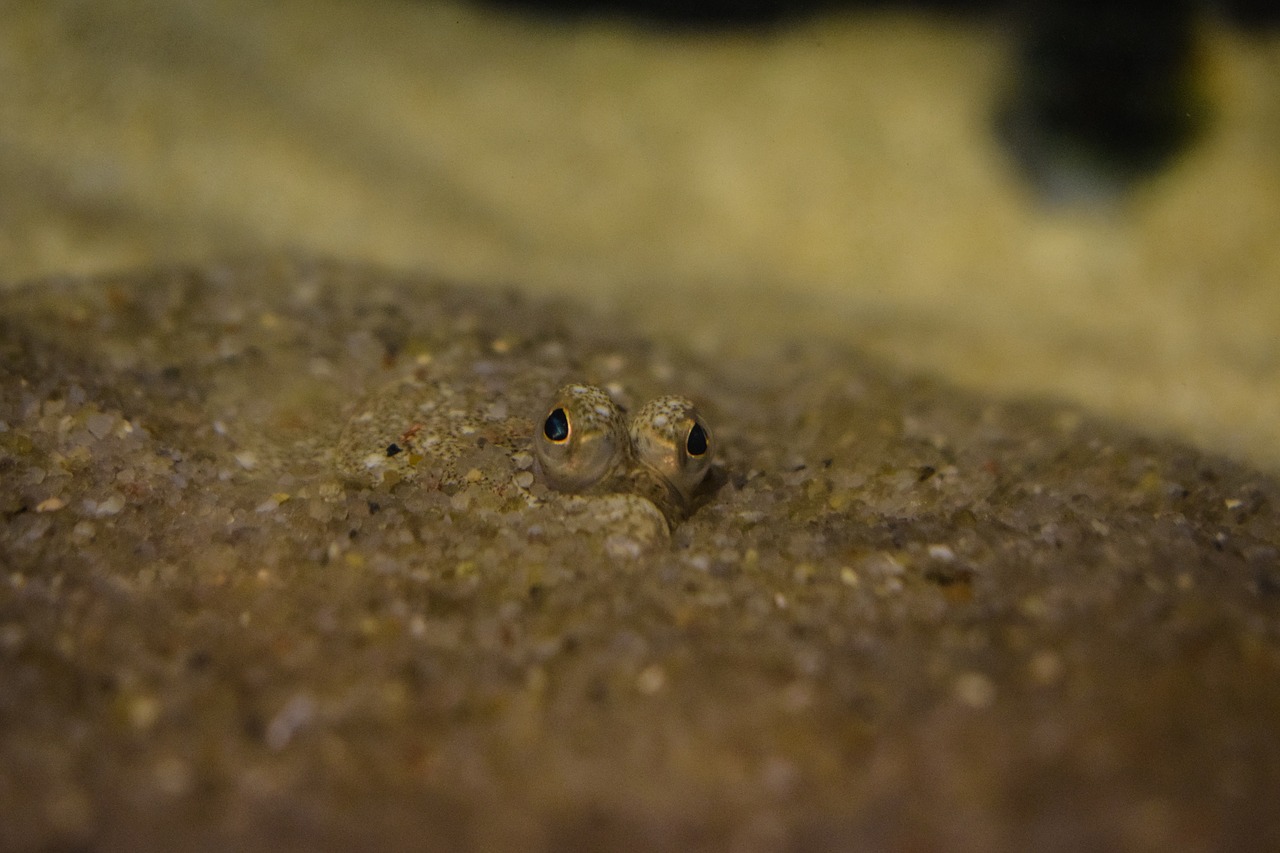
{"x":445,"y":426}
{"x":661,"y":436}
{"x":595,"y":449}
{"x":646,"y":483}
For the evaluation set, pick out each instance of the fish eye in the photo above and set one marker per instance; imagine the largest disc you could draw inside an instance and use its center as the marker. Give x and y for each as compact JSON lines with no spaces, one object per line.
{"x":696,"y":444}
{"x":669,"y":437}
{"x":556,"y":427}
{"x":582,"y":442}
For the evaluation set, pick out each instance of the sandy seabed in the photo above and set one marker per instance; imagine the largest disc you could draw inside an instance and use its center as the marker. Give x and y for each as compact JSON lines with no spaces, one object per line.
{"x":990,"y":560}
{"x":908,"y":617}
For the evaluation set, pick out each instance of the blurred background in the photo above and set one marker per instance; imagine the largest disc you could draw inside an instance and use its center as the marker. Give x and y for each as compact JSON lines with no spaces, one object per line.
{"x":1075,"y":201}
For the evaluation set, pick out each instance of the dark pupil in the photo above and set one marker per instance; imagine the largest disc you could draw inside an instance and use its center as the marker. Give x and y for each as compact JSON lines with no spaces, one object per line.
{"x":557,"y":426}
{"x":697,"y":443}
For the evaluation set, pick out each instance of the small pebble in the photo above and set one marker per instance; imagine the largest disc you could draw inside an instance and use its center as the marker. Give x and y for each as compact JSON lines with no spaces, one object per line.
{"x":797,"y":696}
{"x":890,"y":586}
{"x":50,"y":505}
{"x":651,"y":679}
{"x":804,"y":573}
{"x":296,"y":714}
{"x":942,"y":552}
{"x":272,"y":503}
{"x":111,"y":505}
{"x":143,"y":711}
{"x":780,"y":775}
{"x":12,"y":636}
{"x":100,"y":425}
{"x":622,"y":547}
{"x":974,"y":689}
{"x":1045,"y":667}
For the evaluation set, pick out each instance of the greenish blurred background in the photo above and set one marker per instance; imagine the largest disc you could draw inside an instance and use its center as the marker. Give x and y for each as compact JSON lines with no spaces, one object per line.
{"x":875,"y":176}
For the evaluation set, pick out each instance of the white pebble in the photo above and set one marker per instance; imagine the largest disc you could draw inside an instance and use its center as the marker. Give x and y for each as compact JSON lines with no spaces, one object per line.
{"x":942,"y":552}
{"x":113,"y":503}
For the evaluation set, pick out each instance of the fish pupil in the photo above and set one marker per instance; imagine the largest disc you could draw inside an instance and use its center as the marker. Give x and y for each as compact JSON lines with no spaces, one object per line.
{"x":557,"y":426}
{"x":697,"y":441}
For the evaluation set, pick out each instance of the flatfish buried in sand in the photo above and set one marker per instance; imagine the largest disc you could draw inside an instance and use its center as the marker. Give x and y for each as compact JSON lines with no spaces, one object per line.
{"x":462,"y":427}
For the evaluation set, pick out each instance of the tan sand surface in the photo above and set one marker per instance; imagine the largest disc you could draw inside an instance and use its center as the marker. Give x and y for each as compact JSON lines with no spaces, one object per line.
{"x":906,"y":618}
{"x":990,"y":558}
